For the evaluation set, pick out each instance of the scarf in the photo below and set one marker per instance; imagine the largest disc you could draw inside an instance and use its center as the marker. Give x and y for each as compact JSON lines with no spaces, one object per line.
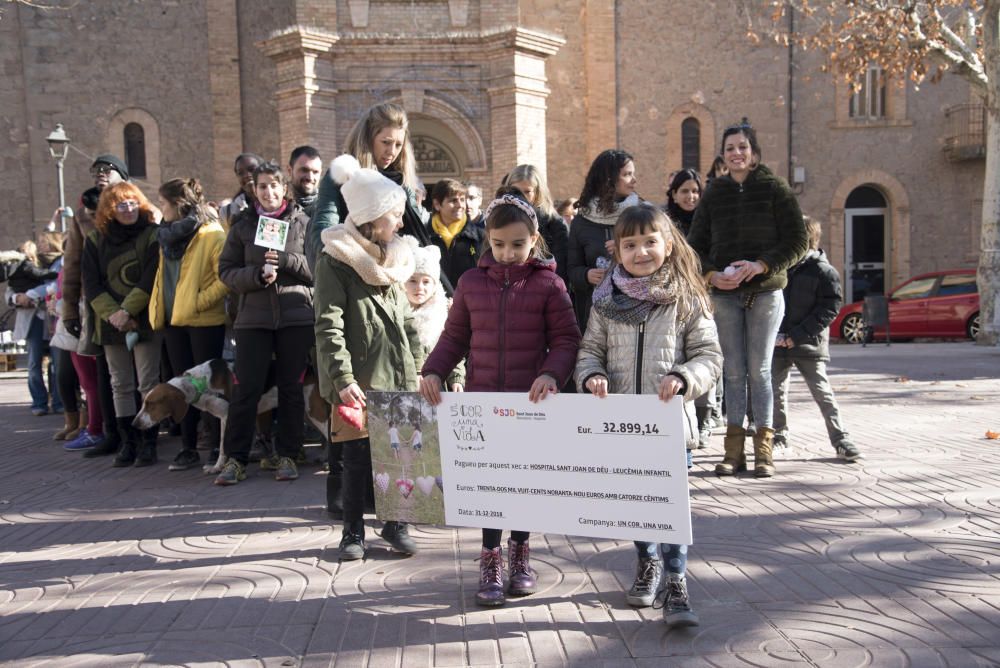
{"x":630,"y":299}
{"x":447,"y":232}
{"x":345,"y":243}
{"x":591,"y":213}
{"x":271,"y":214}
{"x":429,"y":318}
{"x":306,"y":200}
{"x":175,"y":237}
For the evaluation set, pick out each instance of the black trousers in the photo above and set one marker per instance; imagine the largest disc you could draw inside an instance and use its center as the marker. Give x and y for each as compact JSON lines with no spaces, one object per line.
{"x":491,"y":537}
{"x":358,"y":484}
{"x":69,"y":384}
{"x":188,"y":347}
{"x":254,"y":347}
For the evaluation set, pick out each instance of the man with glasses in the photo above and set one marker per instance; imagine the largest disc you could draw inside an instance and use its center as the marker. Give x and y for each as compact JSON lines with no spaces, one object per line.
{"x":106,"y":171}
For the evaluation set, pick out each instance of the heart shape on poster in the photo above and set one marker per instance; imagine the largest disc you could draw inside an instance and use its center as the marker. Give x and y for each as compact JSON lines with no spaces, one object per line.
{"x":382,"y":481}
{"x":405,"y":486}
{"x":352,"y":415}
{"x":439,"y":481}
{"x":426,"y":484}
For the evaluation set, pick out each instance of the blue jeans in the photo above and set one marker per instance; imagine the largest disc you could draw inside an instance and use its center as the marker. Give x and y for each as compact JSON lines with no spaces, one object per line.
{"x":675,"y":557}
{"x":37,"y":347}
{"x":746,"y":336}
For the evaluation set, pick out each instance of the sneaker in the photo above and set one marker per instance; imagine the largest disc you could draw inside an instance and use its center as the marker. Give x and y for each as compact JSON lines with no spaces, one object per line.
{"x":39,"y":412}
{"x":352,"y":546}
{"x":522,"y":578}
{"x":105,"y":446}
{"x":270,"y":462}
{"x":673,"y":598}
{"x":84,"y":441}
{"x":184,"y":460}
{"x":285,"y":470}
{"x":647,"y":580}
{"x":848,"y":451}
{"x":490,"y":592}
{"x":231,"y":473}
{"x":397,"y":534}
{"x":704,"y":435}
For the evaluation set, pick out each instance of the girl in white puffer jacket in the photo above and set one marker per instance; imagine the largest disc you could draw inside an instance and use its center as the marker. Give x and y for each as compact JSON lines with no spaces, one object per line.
{"x":650,"y":332}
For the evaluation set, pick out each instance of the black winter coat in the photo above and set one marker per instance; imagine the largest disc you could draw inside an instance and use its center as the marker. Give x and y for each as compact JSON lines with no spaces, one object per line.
{"x":466,"y":249}
{"x":812,"y":301}
{"x":556,"y":237}
{"x":586,"y":244}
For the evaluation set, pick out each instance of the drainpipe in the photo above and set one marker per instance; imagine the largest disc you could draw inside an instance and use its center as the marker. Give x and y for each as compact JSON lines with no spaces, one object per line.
{"x":791,"y":91}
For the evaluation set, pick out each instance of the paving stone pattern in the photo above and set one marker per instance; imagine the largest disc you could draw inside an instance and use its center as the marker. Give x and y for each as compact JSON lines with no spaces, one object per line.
{"x":889,"y":562}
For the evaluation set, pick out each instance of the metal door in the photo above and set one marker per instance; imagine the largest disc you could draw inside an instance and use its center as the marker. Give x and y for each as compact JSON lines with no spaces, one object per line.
{"x":865,"y":253}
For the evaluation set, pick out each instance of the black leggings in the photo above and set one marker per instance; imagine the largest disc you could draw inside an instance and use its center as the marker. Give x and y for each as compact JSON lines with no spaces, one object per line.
{"x":254,"y":347}
{"x":491,"y":537}
{"x":69,"y":384}
{"x":188,"y":347}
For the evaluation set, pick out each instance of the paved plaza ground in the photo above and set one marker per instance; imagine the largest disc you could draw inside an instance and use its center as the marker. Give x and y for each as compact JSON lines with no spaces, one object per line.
{"x":893,"y":561}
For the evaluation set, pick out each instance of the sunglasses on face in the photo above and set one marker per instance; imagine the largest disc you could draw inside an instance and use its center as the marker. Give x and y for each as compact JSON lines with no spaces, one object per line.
{"x":101,"y":169}
{"x":126,"y":206}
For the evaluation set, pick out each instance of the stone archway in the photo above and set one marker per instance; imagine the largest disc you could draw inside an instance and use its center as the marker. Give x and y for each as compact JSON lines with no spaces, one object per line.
{"x":151,"y":129}
{"x":898,"y":253}
{"x":706,"y":122}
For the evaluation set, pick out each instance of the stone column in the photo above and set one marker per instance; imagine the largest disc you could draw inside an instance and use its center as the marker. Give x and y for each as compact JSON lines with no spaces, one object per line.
{"x":305,"y":88}
{"x":518,"y":90}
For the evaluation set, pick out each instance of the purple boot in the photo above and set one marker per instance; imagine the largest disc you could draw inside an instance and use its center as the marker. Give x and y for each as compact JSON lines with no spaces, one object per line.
{"x":490,"y":578}
{"x":522,"y":576}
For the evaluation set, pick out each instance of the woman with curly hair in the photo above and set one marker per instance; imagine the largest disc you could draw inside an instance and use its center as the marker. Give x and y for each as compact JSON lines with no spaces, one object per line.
{"x":120,"y":259}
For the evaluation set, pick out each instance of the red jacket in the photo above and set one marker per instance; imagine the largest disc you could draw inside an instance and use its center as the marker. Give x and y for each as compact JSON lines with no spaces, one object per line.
{"x":515,"y":322}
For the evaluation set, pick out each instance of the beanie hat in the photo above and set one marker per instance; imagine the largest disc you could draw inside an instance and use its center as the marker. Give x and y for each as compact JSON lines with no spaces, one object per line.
{"x":368,"y":194}
{"x":116,"y":164}
{"x":428,"y":261}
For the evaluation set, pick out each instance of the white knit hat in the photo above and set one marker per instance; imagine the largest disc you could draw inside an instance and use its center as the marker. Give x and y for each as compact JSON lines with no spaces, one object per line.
{"x":428,"y":261}
{"x":368,"y":194}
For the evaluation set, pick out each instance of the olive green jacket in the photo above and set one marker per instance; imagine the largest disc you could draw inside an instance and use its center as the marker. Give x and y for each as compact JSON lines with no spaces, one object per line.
{"x":364,"y":334}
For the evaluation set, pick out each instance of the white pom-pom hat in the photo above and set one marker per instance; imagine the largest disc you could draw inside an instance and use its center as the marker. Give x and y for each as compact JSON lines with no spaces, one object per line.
{"x":428,"y":261}
{"x":368,"y":194}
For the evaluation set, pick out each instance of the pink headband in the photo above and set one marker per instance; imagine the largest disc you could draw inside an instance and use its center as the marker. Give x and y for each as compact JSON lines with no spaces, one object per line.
{"x":511,"y":200}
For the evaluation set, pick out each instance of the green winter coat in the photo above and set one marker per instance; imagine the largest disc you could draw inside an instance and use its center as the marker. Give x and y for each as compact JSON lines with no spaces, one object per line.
{"x":364,"y":333}
{"x":758,"y":219}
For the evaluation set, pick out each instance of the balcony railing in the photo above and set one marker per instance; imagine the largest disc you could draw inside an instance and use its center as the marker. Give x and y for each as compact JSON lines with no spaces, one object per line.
{"x":965,"y":132}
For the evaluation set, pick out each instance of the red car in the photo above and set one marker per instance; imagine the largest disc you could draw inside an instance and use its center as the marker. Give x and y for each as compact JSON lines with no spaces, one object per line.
{"x":938,"y":304}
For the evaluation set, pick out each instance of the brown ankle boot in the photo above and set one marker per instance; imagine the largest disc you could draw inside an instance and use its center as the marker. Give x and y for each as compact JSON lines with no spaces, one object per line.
{"x":763,"y":462}
{"x":735,"y":459}
{"x":72,"y":420}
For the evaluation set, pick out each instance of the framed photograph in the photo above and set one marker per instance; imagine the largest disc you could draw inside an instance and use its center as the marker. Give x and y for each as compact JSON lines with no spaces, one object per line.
{"x":271,"y":233}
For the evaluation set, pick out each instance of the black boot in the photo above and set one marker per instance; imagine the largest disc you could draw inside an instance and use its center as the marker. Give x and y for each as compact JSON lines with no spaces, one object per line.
{"x":704,"y":427}
{"x":129,"y":442}
{"x":146,"y":455}
{"x":109,"y":445}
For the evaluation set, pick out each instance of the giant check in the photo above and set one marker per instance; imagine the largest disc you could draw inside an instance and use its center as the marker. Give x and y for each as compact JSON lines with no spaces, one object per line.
{"x":571,"y":464}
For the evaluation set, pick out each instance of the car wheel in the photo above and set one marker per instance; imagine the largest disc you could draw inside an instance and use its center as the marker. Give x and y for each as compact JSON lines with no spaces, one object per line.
{"x":852,"y":329}
{"x":972,"y":327}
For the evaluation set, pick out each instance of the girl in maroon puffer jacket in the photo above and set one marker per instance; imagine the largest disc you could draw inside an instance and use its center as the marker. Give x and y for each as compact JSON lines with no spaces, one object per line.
{"x":514,"y":319}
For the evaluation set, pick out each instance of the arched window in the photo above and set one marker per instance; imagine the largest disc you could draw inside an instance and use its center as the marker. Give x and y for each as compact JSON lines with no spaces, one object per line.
{"x":691,"y":144}
{"x":135,"y":150}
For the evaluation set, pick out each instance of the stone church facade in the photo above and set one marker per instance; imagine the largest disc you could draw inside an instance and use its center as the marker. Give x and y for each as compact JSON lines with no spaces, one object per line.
{"x":180,"y":87}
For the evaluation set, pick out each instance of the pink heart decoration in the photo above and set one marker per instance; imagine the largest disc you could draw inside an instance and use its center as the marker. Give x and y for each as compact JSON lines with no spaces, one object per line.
{"x":352,"y":415}
{"x":382,"y":481}
{"x":405,"y":486}
{"x":426,"y":484}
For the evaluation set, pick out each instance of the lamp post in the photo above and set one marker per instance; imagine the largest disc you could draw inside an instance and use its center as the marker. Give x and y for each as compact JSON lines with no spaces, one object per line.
{"x":58,"y":147}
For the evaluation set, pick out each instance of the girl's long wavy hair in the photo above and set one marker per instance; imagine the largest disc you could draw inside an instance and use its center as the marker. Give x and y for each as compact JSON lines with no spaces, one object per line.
{"x":531,"y":174}
{"x":602,"y":177}
{"x":685,"y":266}
{"x":114,"y":195}
{"x":361,"y":141}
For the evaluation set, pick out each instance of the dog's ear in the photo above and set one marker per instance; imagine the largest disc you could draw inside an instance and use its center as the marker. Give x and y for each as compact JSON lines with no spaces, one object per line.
{"x":178,"y":409}
{"x":222,"y":379}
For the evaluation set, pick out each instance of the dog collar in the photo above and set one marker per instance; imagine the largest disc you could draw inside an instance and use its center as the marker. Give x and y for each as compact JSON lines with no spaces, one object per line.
{"x":200,"y":386}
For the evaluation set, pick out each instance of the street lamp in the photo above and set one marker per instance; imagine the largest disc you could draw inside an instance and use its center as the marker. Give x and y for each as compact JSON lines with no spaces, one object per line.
{"x":58,"y":147}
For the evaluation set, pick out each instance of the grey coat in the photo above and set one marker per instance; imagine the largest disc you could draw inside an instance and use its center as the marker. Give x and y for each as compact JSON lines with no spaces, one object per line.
{"x":288,"y":301}
{"x":689,"y":349}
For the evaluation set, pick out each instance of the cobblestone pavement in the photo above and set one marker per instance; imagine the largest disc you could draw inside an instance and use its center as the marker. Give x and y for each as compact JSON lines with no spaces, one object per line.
{"x":889,"y":562}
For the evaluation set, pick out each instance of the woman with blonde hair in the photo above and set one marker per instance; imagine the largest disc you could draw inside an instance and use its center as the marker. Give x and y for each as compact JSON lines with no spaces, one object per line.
{"x":530,"y":181}
{"x":380,"y":141}
{"x":187,"y":303}
{"x":120,"y":259}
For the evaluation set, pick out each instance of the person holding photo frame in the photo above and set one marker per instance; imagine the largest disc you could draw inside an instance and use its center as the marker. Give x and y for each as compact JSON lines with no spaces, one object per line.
{"x":275,"y":318}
